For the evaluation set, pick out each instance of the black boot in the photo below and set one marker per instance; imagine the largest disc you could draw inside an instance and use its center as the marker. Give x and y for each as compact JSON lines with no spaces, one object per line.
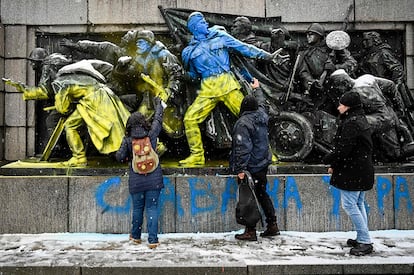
{"x":248,"y":235}
{"x":361,"y":249}
{"x":271,"y":230}
{"x":352,"y":243}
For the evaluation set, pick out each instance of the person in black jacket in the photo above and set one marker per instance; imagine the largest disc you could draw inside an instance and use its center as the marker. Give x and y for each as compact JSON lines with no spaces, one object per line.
{"x":352,"y":169}
{"x":251,"y":152}
{"x":145,"y":189}
{"x":379,"y":101}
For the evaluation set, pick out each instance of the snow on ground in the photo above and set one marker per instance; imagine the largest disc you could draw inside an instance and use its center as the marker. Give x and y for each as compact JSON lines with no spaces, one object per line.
{"x":290,"y":248}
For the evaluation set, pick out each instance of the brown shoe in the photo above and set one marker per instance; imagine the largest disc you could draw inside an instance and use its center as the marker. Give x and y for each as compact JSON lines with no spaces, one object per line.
{"x":248,"y":235}
{"x":153,"y":245}
{"x":271,"y":230}
{"x":136,"y":241}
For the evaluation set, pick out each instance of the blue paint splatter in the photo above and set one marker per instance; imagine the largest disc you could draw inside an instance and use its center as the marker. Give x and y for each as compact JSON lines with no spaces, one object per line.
{"x":197,"y":193}
{"x":291,"y":192}
{"x":384,"y":186}
{"x":401,"y":192}
{"x":168,"y":194}
{"x":230,"y":193}
{"x":273,"y":192}
{"x":102,"y":189}
{"x":336,"y":202}
{"x":336,"y":196}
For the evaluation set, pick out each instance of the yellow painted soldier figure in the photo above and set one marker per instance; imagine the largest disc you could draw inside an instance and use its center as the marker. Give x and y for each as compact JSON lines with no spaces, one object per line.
{"x":87,"y":101}
{"x":155,"y":72}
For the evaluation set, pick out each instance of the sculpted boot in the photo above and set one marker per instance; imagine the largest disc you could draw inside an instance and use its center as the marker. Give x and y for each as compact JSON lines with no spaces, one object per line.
{"x":196,"y":147}
{"x":248,"y":235}
{"x":193,"y":160}
{"x":78,"y":158}
{"x":77,"y":161}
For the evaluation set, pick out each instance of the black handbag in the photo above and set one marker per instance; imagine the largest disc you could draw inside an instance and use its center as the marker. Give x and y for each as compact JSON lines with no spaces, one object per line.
{"x":247,"y":206}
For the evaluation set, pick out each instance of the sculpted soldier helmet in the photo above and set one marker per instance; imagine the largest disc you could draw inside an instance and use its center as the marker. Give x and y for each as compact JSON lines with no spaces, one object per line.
{"x":280,"y":29}
{"x":316,"y":28}
{"x":376,"y":38}
{"x":244,"y":21}
{"x":241,"y":27}
{"x":38,"y":54}
{"x":129,"y":38}
{"x":147,"y":35}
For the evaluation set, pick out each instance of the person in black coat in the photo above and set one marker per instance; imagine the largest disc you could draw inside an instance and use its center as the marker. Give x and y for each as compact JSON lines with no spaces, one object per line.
{"x":145,"y":189}
{"x":251,"y":152}
{"x":351,"y":167}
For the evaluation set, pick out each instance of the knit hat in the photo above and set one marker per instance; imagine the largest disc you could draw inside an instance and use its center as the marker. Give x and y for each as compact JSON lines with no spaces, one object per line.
{"x":369,"y":35}
{"x":137,"y":125}
{"x":351,"y":99}
{"x":249,"y":103}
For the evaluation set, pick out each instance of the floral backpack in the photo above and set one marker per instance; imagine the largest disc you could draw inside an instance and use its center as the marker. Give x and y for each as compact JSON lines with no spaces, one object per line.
{"x":144,"y":159}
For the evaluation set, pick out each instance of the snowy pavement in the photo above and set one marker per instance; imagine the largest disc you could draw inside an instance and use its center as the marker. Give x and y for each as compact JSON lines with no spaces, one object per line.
{"x":221,"y":249}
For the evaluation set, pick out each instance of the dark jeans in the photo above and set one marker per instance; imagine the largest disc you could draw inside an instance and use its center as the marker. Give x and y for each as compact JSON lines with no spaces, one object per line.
{"x":260,"y":182}
{"x":149,"y":201}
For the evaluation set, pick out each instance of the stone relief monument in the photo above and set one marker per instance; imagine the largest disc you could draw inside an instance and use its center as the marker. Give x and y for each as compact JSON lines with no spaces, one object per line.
{"x":124,"y":78}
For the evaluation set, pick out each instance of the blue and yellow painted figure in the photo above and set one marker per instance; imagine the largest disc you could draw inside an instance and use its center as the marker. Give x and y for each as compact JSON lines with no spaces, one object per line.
{"x":153,"y":59}
{"x":87,"y":101}
{"x":207,"y":58}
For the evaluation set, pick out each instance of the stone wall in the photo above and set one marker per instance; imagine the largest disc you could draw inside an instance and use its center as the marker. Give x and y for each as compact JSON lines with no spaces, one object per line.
{"x":193,"y":204}
{"x":22,"y":20}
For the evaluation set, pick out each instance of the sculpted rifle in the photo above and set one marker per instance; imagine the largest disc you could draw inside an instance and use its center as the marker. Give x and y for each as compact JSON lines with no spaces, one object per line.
{"x":172,"y":123}
{"x":57,"y":132}
{"x":292,"y":76}
{"x":160,"y":91}
{"x":18,"y":85}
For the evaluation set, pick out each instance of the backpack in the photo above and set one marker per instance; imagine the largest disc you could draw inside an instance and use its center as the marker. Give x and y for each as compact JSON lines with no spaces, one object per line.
{"x":144,"y":159}
{"x":247,"y":207}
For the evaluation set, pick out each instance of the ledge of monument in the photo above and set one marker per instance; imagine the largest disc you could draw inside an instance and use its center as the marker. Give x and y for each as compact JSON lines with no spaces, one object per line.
{"x":103,"y":166}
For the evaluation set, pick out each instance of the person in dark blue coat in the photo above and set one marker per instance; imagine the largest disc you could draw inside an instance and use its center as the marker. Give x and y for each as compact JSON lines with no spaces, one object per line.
{"x":351,"y":167}
{"x":251,"y":152}
{"x":144,"y":188}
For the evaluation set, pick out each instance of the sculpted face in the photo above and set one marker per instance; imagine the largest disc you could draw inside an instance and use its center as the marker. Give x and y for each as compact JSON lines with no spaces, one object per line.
{"x":238,"y":28}
{"x":277,"y":37}
{"x":367,"y":43}
{"x":201,"y":27}
{"x":143,"y":46}
{"x":278,"y":32}
{"x":36,"y":65}
{"x":312,"y":37}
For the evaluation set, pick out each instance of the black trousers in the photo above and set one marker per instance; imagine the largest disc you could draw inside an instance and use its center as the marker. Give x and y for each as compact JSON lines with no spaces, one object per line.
{"x":260,"y":182}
